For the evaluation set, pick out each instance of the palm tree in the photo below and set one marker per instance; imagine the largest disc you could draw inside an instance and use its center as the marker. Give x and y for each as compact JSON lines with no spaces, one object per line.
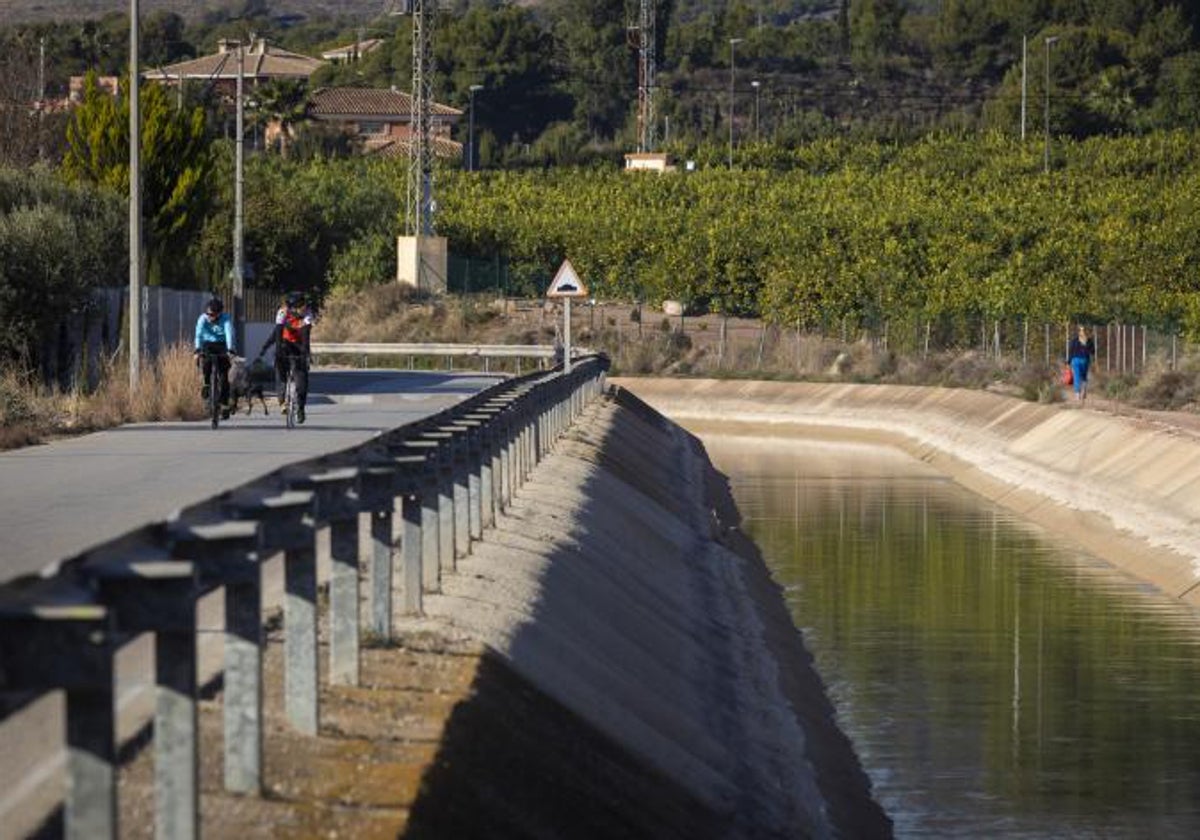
{"x":282,"y":103}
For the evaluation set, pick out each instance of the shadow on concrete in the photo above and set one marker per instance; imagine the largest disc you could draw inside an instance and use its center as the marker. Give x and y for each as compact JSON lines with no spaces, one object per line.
{"x":515,"y":763}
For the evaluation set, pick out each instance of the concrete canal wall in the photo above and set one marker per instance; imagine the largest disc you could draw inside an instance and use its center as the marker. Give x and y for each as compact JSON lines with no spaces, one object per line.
{"x":676,"y":698}
{"x":1126,"y":487}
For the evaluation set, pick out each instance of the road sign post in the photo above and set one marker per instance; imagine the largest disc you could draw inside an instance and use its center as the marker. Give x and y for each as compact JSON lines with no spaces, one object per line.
{"x":566,"y":285}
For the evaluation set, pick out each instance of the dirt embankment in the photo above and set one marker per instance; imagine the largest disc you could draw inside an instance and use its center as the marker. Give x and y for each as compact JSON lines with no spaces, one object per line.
{"x":1124,"y":486}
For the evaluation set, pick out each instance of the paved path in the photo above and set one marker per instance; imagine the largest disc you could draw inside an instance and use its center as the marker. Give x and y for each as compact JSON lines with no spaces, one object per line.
{"x":59,"y":499}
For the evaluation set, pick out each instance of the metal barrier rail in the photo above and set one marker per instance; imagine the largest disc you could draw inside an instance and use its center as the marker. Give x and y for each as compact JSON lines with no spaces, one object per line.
{"x":496,"y":351}
{"x":449,"y":476}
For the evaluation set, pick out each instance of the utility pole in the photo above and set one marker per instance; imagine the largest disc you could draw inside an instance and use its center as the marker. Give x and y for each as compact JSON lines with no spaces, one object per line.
{"x":471,"y":91}
{"x":1046,"y":157}
{"x":733,"y":42}
{"x":756,"y":84}
{"x":135,"y":202}
{"x":239,"y":258}
{"x":1024,"y":81}
{"x":41,"y":98}
{"x":733,"y":76}
{"x":647,"y":70}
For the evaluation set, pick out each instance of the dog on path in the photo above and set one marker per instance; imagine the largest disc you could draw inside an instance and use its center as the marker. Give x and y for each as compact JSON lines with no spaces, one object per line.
{"x":242,"y":385}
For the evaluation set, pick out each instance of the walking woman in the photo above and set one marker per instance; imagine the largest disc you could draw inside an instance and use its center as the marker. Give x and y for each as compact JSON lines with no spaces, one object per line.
{"x":1079,"y":356}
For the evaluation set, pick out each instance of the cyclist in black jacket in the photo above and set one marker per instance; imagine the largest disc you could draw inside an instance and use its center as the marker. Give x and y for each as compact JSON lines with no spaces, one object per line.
{"x":291,"y":337}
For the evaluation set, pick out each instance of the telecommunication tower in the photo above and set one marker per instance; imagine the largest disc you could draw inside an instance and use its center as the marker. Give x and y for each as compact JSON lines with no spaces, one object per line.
{"x":647,"y":83}
{"x":419,"y":204}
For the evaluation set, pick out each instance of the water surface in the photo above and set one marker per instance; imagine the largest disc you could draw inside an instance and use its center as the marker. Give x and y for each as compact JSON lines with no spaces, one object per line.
{"x":996,"y":682}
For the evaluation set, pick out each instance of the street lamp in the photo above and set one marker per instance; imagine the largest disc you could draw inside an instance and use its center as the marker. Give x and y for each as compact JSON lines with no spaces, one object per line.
{"x":1050,"y":39}
{"x":755,"y":84}
{"x":733,"y":42}
{"x":471,"y":127}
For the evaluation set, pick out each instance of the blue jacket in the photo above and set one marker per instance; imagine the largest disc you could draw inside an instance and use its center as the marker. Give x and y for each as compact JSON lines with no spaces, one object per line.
{"x":220,"y":330}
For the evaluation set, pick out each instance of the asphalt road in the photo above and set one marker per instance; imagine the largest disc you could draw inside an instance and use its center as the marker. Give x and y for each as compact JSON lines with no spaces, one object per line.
{"x":61,"y":498}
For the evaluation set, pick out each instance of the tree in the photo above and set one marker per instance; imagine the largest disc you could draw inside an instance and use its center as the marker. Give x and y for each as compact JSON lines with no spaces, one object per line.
{"x":175,"y":161}
{"x":507,"y":52}
{"x":283,"y":102}
{"x":875,"y":27}
{"x":600,"y":66}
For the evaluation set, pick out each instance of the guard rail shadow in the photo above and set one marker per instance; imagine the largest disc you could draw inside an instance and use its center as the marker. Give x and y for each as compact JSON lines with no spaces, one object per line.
{"x":447,"y":476}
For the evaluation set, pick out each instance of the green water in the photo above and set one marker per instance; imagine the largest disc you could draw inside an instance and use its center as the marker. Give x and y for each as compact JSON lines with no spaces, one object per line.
{"x":995,"y":682}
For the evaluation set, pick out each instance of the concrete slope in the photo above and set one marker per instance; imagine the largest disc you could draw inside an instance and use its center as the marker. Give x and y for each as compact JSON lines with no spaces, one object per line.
{"x":607,"y":586}
{"x":1127,"y":488}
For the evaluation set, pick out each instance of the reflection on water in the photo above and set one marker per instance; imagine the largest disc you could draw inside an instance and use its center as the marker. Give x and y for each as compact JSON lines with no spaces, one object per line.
{"x":996,"y":683}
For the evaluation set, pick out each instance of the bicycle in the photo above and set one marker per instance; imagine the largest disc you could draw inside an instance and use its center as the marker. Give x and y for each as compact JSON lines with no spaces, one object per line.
{"x":291,"y":400}
{"x":214,"y":384}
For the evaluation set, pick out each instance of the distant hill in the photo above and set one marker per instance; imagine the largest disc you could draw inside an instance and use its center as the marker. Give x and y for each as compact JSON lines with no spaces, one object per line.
{"x":39,"y":11}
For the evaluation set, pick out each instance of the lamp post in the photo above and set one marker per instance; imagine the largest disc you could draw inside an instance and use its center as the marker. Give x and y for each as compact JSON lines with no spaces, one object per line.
{"x":1046,"y":156}
{"x":756,"y":85}
{"x":136,"y":264}
{"x":471,"y":127}
{"x":733,"y":42}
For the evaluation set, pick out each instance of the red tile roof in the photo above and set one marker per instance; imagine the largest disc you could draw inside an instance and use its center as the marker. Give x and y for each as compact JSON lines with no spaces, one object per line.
{"x":262,"y":61}
{"x":347,"y":102}
{"x":397,"y":147}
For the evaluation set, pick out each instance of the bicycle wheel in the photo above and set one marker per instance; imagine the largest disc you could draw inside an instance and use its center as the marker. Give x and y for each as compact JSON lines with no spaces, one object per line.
{"x":293,"y":402}
{"x":214,"y":392}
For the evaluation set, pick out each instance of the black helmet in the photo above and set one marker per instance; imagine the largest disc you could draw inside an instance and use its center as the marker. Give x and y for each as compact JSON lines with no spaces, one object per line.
{"x":294,"y":300}
{"x":214,"y":306}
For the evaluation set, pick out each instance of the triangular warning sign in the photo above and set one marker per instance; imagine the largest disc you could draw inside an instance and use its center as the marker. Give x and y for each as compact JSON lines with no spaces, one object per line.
{"x":567,"y":283}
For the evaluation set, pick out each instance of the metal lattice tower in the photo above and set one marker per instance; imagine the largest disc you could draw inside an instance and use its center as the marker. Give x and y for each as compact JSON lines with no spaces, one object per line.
{"x":419,"y":204}
{"x":647,"y":83}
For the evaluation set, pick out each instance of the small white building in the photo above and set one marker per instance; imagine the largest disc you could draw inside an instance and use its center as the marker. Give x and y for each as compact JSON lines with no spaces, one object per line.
{"x":648,"y":162}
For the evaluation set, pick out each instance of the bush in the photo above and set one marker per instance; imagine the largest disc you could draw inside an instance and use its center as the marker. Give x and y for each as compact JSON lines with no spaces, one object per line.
{"x":56,"y":244}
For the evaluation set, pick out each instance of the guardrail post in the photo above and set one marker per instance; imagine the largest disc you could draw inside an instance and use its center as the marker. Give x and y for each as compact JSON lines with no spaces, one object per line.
{"x":445,"y":497}
{"x":338,"y":505}
{"x":54,"y":637}
{"x":428,"y":478}
{"x":462,"y":493}
{"x":226,"y":554}
{"x":379,"y":499}
{"x":288,"y":523}
{"x":473,"y":467}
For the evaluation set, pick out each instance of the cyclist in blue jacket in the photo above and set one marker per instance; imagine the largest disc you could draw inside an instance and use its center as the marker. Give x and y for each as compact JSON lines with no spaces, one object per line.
{"x":214,"y":338}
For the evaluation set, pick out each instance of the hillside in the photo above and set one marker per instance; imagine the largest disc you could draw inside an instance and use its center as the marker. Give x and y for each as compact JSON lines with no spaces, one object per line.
{"x":41,"y":11}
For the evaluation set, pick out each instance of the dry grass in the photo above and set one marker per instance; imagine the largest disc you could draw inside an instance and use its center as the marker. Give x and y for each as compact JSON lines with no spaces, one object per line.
{"x":169,"y":390}
{"x":644,"y":342}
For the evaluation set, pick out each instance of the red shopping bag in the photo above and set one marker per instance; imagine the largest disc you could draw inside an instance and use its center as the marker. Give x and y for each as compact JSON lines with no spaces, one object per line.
{"x":1068,"y":378}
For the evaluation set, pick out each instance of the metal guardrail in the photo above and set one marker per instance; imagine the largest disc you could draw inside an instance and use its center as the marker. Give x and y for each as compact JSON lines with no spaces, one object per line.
{"x":495,"y":351}
{"x":451,"y":473}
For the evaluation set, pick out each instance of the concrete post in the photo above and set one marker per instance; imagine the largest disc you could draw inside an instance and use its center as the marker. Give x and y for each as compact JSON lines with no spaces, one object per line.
{"x":301,"y":684}
{"x":338,"y":492}
{"x":176,"y":757}
{"x":378,"y":498}
{"x":343,"y":601}
{"x":243,"y":687}
{"x":461,"y":490}
{"x":288,"y":524}
{"x":472,"y":439}
{"x":91,"y":806}
{"x":225,"y":554}
{"x":412,"y":545}
{"x":47,"y":644}
{"x":381,"y":573}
